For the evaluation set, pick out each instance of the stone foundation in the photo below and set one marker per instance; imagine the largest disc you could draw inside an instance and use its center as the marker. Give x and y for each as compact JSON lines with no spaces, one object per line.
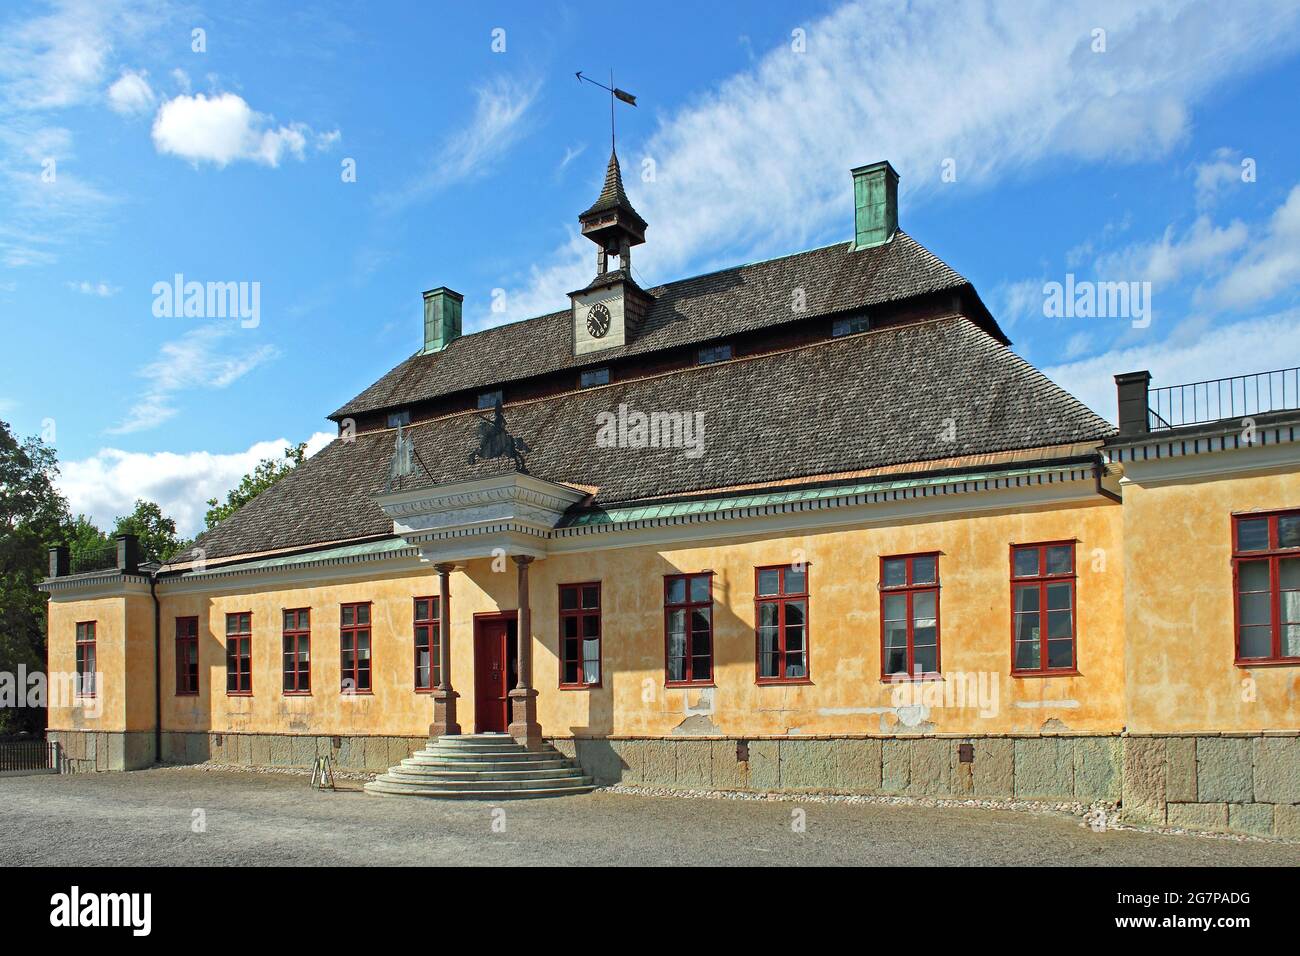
{"x":85,"y":751}
{"x":1241,"y":783}
{"x":288,"y":750}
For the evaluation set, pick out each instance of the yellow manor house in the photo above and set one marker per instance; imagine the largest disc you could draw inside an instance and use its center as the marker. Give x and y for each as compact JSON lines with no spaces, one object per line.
{"x":803,"y":524}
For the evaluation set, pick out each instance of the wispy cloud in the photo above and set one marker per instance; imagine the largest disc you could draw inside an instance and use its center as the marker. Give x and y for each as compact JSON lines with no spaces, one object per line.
{"x":498,"y":123}
{"x":107,"y":483}
{"x":194,"y":361}
{"x":102,"y":289}
{"x":999,"y":94}
{"x":131,"y":93}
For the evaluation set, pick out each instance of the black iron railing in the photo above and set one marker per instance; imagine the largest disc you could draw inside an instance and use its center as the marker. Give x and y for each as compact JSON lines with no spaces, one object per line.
{"x":29,"y":755}
{"x":94,"y":559}
{"x":1222,"y":398}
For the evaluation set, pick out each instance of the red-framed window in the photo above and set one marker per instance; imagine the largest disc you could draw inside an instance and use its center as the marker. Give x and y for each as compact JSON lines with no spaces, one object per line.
{"x":1266,"y":579}
{"x":781,"y":610}
{"x":428,"y":643}
{"x":1043,"y":611}
{"x":580,"y":635}
{"x":296,"y":645}
{"x":688,"y":628}
{"x":86,"y":659}
{"x":239,"y":653}
{"x":909,"y":615}
{"x":354,"y":648}
{"x":187,"y":656}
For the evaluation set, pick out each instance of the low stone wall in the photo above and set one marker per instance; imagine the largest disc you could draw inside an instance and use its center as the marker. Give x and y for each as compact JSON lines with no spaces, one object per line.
{"x":1076,"y":768}
{"x":85,"y":751}
{"x":1244,"y":783}
{"x":288,"y":750}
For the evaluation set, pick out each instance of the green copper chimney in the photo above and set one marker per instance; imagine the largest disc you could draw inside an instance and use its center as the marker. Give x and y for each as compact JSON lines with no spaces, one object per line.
{"x":875,"y":202}
{"x":441,"y":318}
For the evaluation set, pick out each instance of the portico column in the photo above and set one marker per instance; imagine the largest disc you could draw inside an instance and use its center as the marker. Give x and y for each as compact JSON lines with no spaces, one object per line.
{"x":444,"y":698}
{"x":523,"y":699}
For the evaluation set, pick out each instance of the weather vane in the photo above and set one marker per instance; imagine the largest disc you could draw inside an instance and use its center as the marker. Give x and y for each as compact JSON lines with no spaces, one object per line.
{"x":614,"y":93}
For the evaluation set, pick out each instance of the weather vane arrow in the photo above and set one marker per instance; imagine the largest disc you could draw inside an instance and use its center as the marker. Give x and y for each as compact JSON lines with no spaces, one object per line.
{"x":614,"y":93}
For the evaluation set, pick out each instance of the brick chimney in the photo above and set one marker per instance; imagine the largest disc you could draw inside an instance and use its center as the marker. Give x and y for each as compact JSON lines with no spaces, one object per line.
{"x":59,"y":561}
{"x":128,"y":553}
{"x":1134,"y":414}
{"x":875,"y":204}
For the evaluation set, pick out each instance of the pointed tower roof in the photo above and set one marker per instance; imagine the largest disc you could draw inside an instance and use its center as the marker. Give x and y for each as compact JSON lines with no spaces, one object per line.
{"x":613,"y":199}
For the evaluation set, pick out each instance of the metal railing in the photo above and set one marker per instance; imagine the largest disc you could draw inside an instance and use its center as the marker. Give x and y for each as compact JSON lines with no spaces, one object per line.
{"x":1223,"y":398}
{"x":94,"y":559}
{"x":30,"y":756}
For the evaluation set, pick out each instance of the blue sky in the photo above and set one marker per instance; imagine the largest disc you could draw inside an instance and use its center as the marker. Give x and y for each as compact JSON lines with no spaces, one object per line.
{"x":1110,"y":156}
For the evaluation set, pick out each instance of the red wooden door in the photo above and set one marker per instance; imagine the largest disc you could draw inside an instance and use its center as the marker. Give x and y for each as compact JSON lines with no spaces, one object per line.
{"x":493,"y":675}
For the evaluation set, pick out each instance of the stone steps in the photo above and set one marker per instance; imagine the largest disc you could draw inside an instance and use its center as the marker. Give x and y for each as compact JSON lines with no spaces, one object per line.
{"x":482,"y":767}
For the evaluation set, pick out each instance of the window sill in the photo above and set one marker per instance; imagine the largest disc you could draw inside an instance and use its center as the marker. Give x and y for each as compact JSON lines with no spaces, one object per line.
{"x":356,"y":693}
{"x":297,"y":693}
{"x":909,"y":679}
{"x":595,"y":686}
{"x":1063,"y":672}
{"x":683,"y":684}
{"x":239,"y":693}
{"x":1269,"y":662}
{"x":782,"y":681}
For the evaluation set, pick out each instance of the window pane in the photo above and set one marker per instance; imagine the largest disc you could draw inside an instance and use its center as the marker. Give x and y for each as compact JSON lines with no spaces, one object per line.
{"x":769,"y":582}
{"x":232,"y":623}
{"x":349,"y":617}
{"x":1060,"y":653}
{"x":1027,"y":597}
{"x":895,"y":607}
{"x":925,"y":659}
{"x":924,"y":570}
{"x":1288,"y":531}
{"x":767,"y":641}
{"x":568,"y":598}
{"x":290,"y":618}
{"x":894,"y":572}
{"x":591,"y":627}
{"x":1027,"y":655}
{"x":570,"y":625}
{"x":794,"y":640}
{"x":1252,"y":576}
{"x":676,"y":633}
{"x":1026,"y":562}
{"x":1291,"y":640}
{"x":700,"y":587}
{"x":1252,"y":534}
{"x":794,"y":666}
{"x":1060,"y":559}
{"x":701,"y":668}
{"x":923,"y":607}
{"x":1288,"y":573}
{"x":571,"y":671}
{"x":1290,"y":607}
{"x":767,"y":614}
{"x":1256,"y":641}
{"x":794,"y":613}
{"x":676,"y":668}
{"x":1058,"y":596}
{"x":1027,"y":627}
{"x":591,"y":597}
{"x":1058,"y":625}
{"x":895,"y":635}
{"x":794,"y":581}
{"x":363,"y":614}
{"x":896,"y":660}
{"x":421,"y":610}
{"x":700,"y":619}
{"x":676,"y":590}
{"x":1255,"y":609}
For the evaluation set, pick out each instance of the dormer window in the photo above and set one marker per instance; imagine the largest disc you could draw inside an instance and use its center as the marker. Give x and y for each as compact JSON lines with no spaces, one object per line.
{"x":713,"y":353}
{"x":402,"y":417}
{"x":592,"y":377}
{"x":850,"y":326}
{"x":489,"y":399}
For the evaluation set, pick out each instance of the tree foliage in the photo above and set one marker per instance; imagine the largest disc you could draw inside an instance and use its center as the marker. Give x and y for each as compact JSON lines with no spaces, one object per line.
{"x":156,"y":531}
{"x":267,"y":473}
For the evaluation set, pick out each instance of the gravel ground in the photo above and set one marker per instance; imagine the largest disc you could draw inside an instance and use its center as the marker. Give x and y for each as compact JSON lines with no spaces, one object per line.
{"x":251,"y":819}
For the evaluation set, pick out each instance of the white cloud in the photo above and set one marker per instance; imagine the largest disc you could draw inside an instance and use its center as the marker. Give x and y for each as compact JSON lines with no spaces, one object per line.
{"x":223,"y":128}
{"x":106,"y":484}
{"x":760,"y":164}
{"x":193,"y":361}
{"x":1270,"y":267}
{"x":101,"y":288}
{"x":1203,"y":247}
{"x":498,"y":123}
{"x":1223,"y":170}
{"x":131,"y":93}
{"x":1193,"y":353}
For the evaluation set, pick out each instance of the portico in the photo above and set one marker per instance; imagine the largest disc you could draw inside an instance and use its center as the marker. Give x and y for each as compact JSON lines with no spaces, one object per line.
{"x":506,"y":518}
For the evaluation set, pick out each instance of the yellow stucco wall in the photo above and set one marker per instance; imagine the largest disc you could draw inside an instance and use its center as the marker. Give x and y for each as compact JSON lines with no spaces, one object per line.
{"x":846,"y":694}
{"x":1178,"y":601}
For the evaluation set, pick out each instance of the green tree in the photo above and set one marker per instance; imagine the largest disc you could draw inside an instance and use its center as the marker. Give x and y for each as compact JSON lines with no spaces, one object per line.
{"x":156,"y":531}
{"x":32,"y":516}
{"x":83,"y":537}
{"x":267,"y":473}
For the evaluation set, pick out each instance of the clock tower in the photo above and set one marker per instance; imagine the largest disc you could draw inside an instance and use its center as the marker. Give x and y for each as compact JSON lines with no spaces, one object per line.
{"x":608,"y":312}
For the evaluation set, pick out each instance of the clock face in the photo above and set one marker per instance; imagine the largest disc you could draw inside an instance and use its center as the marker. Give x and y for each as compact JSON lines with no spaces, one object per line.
{"x":598,"y":321}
